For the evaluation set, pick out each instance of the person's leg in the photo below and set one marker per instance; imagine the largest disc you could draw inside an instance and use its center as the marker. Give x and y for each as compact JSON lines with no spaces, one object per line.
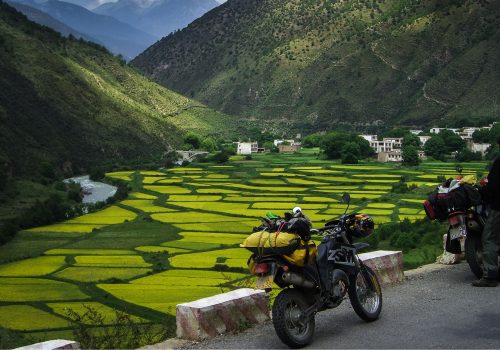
{"x":491,"y":244}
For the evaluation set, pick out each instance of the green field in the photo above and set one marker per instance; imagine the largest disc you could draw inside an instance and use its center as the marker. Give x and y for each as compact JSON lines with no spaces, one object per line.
{"x":175,"y":239}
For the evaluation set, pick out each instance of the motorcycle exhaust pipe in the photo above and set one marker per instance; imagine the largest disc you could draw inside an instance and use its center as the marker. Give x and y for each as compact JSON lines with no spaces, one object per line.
{"x":298,"y":280}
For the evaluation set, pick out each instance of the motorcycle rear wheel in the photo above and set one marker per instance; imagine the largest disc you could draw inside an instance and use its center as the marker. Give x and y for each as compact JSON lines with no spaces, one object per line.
{"x":292,"y":331}
{"x":473,"y":248}
{"x":365,"y":294}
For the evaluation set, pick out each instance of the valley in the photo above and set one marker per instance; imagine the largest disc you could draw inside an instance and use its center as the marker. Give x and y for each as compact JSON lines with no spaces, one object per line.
{"x":176,"y":237}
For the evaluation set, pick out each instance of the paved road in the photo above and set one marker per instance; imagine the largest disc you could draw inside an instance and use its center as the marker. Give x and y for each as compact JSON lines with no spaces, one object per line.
{"x":438,"y":309}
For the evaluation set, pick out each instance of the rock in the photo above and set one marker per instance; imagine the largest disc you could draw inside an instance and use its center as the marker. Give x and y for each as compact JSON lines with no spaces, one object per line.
{"x":222,"y":313}
{"x":387,"y":265}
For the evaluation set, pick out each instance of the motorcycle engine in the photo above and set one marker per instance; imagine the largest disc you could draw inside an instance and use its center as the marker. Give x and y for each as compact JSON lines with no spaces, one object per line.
{"x":338,"y":289}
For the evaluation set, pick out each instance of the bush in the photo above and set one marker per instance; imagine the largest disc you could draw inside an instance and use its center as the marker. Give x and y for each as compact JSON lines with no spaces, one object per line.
{"x":93,"y":332}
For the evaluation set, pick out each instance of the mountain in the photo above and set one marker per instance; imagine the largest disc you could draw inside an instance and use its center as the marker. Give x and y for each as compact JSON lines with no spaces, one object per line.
{"x":321,"y":64}
{"x":118,"y":37}
{"x":158,"y":17}
{"x":44,"y":19}
{"x":70,"y":105}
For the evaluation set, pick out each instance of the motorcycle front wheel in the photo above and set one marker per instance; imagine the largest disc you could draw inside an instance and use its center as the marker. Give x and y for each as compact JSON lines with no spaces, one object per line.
{"x":365,"y":294}
{"x":293,"y":330}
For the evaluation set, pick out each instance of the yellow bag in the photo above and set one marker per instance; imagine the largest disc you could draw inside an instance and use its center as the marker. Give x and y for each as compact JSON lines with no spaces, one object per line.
{"x":268,"y":243}
{"x":305,"y":254}
{"x":469,"y":179}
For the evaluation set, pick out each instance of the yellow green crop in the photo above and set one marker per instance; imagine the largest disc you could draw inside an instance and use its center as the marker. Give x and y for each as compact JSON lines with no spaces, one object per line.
{"x":40,"y":266}
{"x":29,"y":318}
{"x":97,"y":274}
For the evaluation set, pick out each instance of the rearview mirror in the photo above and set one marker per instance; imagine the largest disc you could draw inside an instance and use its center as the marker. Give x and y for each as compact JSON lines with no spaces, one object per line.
{"x":346,"y":197}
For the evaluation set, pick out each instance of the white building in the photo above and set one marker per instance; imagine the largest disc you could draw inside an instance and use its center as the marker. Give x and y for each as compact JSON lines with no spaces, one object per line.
{"x":424,"y":139}
{"x":392,"y":156}
{"x":388,"y":144}
{"x":479,"y":147}
{"x":369,"y":138}
{"x":416,"y":132}
{"x":247,"y":147}
{"x":396,"y":156}
{"x":279,"y":142}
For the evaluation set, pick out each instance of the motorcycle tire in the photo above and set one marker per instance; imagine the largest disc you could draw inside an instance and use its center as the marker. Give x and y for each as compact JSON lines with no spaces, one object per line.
{"x":474,"y":254}
{"x":287,"y":308}
{"x":365,"y":294}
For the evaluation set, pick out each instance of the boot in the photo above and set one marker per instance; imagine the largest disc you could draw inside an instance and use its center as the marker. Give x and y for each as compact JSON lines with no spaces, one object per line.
{"x":485,"y":282}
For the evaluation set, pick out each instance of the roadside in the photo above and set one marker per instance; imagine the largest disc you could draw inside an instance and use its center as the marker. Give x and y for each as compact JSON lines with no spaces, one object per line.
{"x":435,"y":308}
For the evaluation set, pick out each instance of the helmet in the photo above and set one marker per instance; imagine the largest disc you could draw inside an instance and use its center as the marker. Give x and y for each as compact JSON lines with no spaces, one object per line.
{"x":296,"y":210}
{"x":363,"y":225}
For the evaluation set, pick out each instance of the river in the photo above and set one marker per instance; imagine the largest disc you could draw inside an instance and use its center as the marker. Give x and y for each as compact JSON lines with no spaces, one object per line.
{"x":93,"y":191}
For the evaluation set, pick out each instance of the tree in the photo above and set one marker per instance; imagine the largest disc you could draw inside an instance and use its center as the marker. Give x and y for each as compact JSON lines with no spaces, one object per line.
{"x":209,"y":145}
{"x":333,"y":144}
{"x":350,"y":147}
{"x":481,"y":136}
{"x":411,"y":140}
{"x":193,"y":140}
{"x":349,"y":158}
{"x":221,"y":157}
{"x":313,"y":140}
{"x":410,"y":155}
{"x":467,"y":155}
{"x":435,"y":147}
{"x":452,"y":141}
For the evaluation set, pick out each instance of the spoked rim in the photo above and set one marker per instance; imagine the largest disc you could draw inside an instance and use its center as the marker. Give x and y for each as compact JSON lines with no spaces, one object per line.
{"x":295,"y":325}
{"x":367,"y":292}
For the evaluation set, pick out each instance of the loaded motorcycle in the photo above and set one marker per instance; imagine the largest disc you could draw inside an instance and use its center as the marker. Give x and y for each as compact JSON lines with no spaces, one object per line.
{"x":334,"y":271}
{"x":462,"y":206}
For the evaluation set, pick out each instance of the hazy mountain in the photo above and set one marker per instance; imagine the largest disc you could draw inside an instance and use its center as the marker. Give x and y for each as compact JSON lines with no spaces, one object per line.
{"x":71,"y":104}
{"x":324,"y":63}
{"x":46,"y":20}
{"x":158,"y":17}
{"x":118,"y":37}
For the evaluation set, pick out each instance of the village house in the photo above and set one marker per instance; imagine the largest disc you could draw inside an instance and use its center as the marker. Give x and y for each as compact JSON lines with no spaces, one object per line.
{"x":424,"y":139}
{"x":479,"y":147}
{"x":288,"y":148}
{"x":246,"y":148}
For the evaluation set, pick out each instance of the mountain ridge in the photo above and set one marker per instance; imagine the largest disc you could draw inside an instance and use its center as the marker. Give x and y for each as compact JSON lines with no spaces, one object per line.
{"x":351,"y":63}
{"x":118,"y":37}
{"x":72,"y":105}
{"x":157,"y":17}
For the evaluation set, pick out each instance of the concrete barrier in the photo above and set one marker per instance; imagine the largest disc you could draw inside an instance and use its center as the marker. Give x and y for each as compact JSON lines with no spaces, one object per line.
{"x":387,"y":265}
{"x":228,"y":312}
{"x":58,"y":344}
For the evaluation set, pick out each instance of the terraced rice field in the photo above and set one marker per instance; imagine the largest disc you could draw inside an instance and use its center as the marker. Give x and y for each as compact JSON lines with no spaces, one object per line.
{"x":176,"y":239}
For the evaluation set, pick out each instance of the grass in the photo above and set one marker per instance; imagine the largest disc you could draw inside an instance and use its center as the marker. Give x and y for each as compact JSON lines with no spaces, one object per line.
{"x":108,"y":313}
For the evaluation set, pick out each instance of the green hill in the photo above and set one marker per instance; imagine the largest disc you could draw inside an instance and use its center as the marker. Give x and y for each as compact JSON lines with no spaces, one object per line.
{"x":329,"y":63}
{"x":71,"y":105}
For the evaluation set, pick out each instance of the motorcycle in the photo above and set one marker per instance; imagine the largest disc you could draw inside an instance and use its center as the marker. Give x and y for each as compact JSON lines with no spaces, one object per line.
{"x":323,"y":284}
{"x":468,"y":225}
{"x":461,"y":204}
